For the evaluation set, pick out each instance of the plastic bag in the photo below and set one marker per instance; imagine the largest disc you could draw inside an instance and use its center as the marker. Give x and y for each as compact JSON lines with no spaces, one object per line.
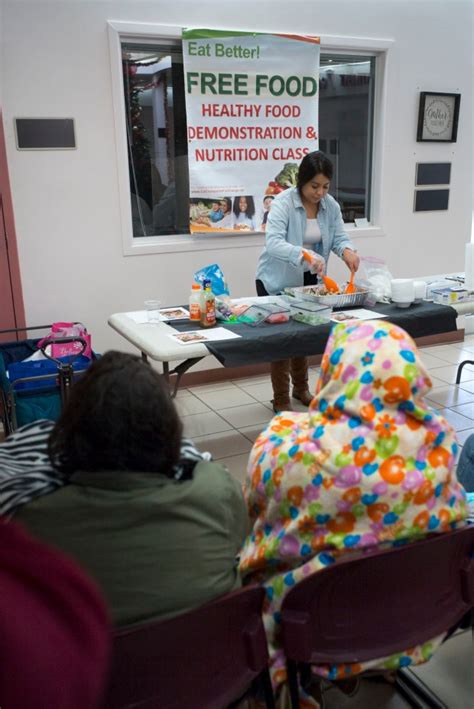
{"x":65,"y":349}
{"x":374,"y":275}
{"x":214,"y":274}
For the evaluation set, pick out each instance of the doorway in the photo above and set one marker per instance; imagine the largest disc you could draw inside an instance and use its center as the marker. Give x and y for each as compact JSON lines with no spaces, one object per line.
{"x":12,"y":313}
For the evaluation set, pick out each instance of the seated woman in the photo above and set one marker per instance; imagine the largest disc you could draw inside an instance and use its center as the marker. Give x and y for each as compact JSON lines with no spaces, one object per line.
{"x":369,"y":464}
{"x":158,"y":538}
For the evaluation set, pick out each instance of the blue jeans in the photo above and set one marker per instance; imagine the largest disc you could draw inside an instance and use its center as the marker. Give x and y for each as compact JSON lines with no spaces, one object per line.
{"x":465,"y":469}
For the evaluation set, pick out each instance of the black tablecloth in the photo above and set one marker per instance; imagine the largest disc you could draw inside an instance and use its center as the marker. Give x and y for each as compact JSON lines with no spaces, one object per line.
{"x":272,"y":342}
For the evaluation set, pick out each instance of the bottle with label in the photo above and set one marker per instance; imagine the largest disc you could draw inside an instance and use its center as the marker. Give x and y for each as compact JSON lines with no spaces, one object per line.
{"x":195,"y":303}
{"x":208,"y":305}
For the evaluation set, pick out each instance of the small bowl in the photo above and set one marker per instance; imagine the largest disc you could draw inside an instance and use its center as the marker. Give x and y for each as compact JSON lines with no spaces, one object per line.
{"x":402,"y":304}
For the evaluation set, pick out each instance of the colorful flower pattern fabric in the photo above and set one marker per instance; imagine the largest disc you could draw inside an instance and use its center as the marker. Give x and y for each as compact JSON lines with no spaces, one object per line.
{"x":369,"y":464}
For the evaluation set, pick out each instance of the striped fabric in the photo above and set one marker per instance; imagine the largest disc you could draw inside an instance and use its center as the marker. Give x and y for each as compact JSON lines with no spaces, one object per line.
{"x":26,"y":472}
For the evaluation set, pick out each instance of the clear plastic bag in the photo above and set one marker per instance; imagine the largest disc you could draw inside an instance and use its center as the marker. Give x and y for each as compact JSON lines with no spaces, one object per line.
{"x":374,"y":275}
{"x":213,"y":273}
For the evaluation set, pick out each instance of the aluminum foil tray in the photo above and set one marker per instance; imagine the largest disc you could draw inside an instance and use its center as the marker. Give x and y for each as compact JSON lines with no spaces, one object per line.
{"x":339,"y":300}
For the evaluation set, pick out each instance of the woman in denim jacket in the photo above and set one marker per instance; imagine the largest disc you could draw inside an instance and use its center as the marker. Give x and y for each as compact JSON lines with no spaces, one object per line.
{"x":305,"y":216}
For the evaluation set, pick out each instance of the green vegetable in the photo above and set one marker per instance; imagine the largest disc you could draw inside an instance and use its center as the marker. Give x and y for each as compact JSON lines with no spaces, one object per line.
{"x":287,"y":176}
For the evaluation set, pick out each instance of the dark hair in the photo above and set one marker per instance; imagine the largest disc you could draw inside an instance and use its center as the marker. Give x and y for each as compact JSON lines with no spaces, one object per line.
{"x":228,"y":202}
{"x":250,"y":211}
{"x":120,"y":416}
{"x":268,"y":196}
{"x":315,"y":163}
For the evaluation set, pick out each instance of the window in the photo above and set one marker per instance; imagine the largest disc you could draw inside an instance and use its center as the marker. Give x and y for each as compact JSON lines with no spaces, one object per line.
{"x":346,"y":106}
{"x":153,"y":86}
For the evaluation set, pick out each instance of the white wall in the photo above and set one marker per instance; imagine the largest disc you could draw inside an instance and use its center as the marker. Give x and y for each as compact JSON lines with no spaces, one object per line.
{"x":56,"y":63}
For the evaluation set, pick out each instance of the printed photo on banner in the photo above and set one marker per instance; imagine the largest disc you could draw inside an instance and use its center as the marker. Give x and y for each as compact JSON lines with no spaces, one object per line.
{"x":252,"y":115}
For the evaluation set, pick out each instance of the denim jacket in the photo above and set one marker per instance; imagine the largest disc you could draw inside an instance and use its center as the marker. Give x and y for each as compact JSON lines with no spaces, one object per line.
{"x":279,"y":265}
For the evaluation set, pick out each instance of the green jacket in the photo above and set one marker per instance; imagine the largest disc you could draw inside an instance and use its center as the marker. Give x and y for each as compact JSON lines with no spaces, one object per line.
{"x":156,"y":546}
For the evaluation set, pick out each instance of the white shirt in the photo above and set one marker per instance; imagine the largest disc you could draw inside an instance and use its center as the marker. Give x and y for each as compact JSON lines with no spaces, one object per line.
{"x":313,"y":232}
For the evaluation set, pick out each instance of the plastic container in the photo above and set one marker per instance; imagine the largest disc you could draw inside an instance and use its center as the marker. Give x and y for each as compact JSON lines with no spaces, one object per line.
{"x":309,"y":313}
{"x":275,"y":313}
{"x":195,"y":303}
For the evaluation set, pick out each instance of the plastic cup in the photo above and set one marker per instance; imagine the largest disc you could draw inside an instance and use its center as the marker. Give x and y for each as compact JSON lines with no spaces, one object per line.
{"x":152,"y":308}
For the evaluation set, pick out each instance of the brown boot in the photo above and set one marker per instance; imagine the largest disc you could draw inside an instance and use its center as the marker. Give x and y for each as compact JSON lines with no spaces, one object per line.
{"x":299,"y":376}
{"x":280,"y":376}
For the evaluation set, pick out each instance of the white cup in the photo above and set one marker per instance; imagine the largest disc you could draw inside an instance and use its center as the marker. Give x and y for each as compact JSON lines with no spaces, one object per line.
{"x":403,"y":290}
{"x":152,"y":308}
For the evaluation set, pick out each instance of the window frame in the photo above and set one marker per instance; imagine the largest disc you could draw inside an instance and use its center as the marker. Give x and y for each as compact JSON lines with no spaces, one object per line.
{"x":151,"y":32}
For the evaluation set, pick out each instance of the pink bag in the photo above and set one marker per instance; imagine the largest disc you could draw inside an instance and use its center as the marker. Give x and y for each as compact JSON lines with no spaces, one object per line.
{"x":65,"y":349}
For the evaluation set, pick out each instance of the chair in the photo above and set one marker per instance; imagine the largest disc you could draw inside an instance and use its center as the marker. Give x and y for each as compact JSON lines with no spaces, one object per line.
{"x":379,"y":603}
{"x":460,"y":368}
{"x":206,"y":658}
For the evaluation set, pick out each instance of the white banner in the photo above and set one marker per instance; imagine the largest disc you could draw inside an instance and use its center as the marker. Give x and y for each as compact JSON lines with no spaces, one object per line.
{"x":252,"y":115}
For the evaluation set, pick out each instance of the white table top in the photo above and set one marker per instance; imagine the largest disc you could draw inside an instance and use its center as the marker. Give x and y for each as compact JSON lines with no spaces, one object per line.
{"x":153,"y":340}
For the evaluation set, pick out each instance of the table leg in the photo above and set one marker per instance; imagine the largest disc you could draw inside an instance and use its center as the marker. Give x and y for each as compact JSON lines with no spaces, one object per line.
{"x":179,"y":371}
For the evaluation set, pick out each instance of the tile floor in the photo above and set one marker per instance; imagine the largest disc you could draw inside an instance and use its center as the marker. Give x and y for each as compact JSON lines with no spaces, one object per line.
{"x":226,"y":417}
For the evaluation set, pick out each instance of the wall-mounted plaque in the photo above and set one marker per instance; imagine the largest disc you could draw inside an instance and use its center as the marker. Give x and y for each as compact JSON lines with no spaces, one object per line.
{"x":45,"y":134}
{"x":433,"y":173}
{"x":431,"y":200}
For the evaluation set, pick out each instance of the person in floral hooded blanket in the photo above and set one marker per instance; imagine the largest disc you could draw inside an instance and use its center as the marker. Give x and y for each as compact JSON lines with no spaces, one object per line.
{"x":370,"y":464}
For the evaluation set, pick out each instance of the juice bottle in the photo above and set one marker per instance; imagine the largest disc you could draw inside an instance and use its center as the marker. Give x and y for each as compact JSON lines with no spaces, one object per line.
{"x":208,"y":305}
{"x":195,"y":303}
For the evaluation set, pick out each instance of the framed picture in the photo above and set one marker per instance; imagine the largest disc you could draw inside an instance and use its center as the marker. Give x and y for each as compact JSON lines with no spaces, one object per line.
{"x":438,"y":116}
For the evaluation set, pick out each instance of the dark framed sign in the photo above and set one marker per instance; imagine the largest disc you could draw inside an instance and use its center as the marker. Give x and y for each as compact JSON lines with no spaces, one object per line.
{"x":431,"y":200}
{"x":438,"y":116}
{"x":45,"y":134}
{"x":433,"y":173}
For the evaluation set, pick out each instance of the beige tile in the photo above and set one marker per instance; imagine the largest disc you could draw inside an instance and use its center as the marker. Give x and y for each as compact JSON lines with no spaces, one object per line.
{"x":182,"y":393}
{"x":449,"y":673}
{"x":457,"y":421}
{"x":464,"y":409}
{"x":240,"y":416}
{"x":430,"y":361}
{"x":453,"y":355}
{"x":223,"y":445}
{"x":215,"y":386}
{"x":436,"y":383}
{"x":225,"y":398}
{"x":447,"y":373}
{"x":462,"y":436}
{"x":188,"y":405}
{"x":466,"y":384}
{"x":261,"y":392}
{"x":237,"y":466}
{"x":252,"y":432}
{"x":450,"y":396}
{"x":204,"y":424}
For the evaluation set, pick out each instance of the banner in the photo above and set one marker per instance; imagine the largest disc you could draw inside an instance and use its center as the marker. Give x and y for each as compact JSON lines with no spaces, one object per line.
{"x":252,"y":115}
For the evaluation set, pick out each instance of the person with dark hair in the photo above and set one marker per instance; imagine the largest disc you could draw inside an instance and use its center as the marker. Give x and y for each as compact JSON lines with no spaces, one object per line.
{"x":159,"y":537}
{"x":244,"y":212}
{"x":302,"y":218}
{"x":267,"y":204}
{"x":370,"y":465}
{"x":227,"y":215}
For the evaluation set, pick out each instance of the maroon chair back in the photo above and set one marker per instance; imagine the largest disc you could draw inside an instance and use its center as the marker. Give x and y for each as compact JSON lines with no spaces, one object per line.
{"x":205,"y":658}
{"x":379,"y":603}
